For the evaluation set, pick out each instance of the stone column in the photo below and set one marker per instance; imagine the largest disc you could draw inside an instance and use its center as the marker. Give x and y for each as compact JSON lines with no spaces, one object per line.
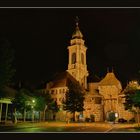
{"x":85,"y":81}
{"x":33,"y":115}
{"x":85,"y":61}
{"x":6,"y":112}
{"x":70,"y":57}
{"x":0,"y":111}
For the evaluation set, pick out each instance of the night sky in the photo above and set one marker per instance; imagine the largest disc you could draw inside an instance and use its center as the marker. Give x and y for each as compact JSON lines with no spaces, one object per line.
{"x":40,"y":38}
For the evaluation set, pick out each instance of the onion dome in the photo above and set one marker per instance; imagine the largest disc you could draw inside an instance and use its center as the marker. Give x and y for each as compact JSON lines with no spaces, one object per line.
{"x":77,"y":33}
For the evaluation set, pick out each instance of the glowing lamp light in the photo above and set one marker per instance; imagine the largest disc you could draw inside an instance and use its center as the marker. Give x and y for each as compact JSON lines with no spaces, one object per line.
{"x":33,"y":101}
{"x":116,"y":115}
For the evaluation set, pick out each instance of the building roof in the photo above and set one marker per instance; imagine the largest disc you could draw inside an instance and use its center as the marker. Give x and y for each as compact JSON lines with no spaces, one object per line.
{"x":93,"y":89}
{"x":62,"y":80}
{"x":93,"y":78}
{"x":9,"y":92}
{"x":109,"y":79}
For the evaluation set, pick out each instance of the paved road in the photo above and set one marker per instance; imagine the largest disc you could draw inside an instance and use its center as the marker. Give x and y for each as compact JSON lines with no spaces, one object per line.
{"x":124,"y":128}
{"x":63,"y":127}
{"x":56,"y":129}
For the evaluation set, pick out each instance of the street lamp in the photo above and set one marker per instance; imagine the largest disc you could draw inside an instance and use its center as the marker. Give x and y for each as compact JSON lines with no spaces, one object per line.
{"x":33,"y":101}
{"x":32,"y":106}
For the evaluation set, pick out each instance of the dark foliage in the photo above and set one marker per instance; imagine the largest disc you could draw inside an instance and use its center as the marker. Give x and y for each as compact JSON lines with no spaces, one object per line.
{"x":6,"y":64}
{"x":22,"y":100}
{"x":74,"y":99}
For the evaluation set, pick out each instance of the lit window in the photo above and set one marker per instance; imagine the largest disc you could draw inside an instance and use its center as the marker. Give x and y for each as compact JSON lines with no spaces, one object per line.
{"x":59,"y":90}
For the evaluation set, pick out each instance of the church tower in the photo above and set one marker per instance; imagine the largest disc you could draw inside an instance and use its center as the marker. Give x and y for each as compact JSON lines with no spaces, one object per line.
{"x":77,"y":66}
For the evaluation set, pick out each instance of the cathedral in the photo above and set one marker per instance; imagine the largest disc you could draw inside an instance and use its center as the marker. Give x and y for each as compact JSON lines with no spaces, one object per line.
{"x":103,"y":99}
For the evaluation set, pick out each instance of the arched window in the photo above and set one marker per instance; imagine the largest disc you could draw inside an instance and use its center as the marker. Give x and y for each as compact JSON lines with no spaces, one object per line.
{"x":82,"y":58}
{"x":59,"y":90}
{"x":73,"y":58}
{"x":52,"y":92}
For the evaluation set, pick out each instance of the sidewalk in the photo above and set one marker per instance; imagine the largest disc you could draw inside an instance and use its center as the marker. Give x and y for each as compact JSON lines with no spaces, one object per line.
{"x":58,"y":123}
{"x":53,"y":124}
{"x":9,"y":125}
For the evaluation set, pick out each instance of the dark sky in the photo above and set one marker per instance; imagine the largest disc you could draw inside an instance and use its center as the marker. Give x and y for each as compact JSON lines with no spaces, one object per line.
{"x":40,"y":38}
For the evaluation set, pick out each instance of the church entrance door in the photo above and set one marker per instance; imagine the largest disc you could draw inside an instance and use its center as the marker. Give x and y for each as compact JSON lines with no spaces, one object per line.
{"x":111,"y":116}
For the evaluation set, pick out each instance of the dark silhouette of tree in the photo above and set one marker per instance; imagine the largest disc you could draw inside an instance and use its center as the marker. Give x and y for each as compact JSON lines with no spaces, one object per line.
{"x":39,"y":103}
{"x":54,"y":107}
{"x":6,"y":64}
{"x":74,"y":99}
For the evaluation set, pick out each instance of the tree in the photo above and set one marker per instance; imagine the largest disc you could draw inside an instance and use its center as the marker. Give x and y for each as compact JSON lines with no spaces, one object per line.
{"x":22,"y":102}
{"x":39,"y":104}
{"x":6,"y":64}
{"x":132,"y":101}
{"x":54,"y":107}
{"x":74,"y":99}
{"x":46,"y":100}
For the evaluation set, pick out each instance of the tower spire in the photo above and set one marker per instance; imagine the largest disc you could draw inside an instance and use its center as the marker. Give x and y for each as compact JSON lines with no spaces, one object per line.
{"x":112,"y":70}
{"x":107,"y":69}
{"x":77,"y":21}
{"x":77,"y":66}
{"x":77,"y":33}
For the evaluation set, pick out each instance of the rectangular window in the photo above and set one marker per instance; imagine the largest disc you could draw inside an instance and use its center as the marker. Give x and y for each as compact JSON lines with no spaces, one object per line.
{"x":98,"y":100}
{"x":88,"y":108}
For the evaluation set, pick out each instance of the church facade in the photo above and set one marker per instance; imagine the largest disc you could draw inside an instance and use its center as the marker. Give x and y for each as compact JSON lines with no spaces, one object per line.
{"x":103,"y":99}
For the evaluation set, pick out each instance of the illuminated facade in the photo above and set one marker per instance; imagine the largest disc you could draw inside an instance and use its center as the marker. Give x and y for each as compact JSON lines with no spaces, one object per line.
{"x":103,"y":99}
{"x":77,"y":66}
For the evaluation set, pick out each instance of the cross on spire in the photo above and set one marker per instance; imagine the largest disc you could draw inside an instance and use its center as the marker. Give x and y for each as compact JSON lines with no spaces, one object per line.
{"x":112,"y":69}
{"x":107,"y":69}
{"x":77,"y":20}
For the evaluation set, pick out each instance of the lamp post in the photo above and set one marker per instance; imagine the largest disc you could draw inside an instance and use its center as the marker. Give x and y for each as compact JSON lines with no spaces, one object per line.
{"x":0,"y":111}
{"x":6,"y":112}
{"x":32,"y":106}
